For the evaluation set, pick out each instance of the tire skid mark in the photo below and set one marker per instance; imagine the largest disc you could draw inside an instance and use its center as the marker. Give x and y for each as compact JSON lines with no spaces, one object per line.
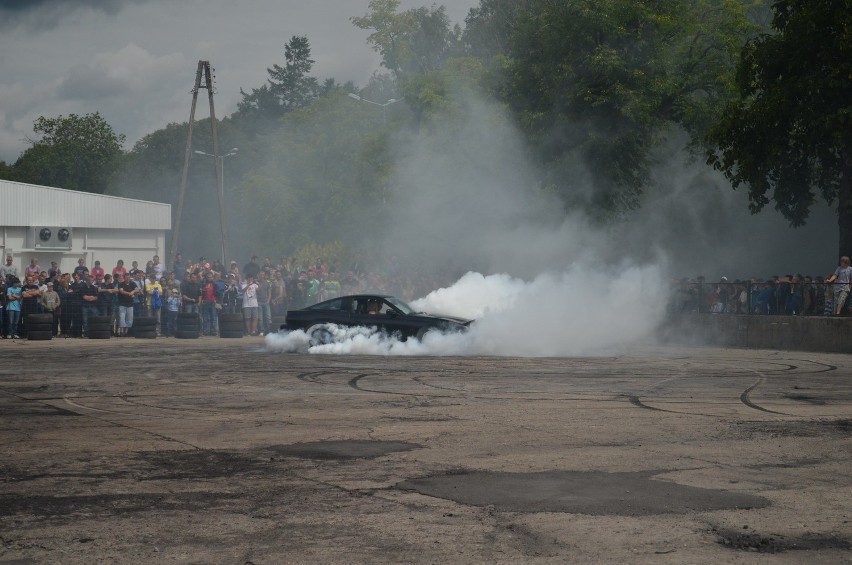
{"x":744,"y":398}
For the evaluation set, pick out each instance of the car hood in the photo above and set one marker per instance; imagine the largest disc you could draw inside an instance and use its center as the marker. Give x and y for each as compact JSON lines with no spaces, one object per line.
{"x":460,"y":321}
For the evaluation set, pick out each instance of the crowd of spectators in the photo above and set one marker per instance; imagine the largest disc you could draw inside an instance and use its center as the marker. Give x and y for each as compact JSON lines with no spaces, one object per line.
{"x":791,"y":294}
{"x":261,"y":291}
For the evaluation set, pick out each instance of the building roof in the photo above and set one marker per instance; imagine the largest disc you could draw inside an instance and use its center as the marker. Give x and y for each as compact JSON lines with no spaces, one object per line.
{"x":35,"y":205}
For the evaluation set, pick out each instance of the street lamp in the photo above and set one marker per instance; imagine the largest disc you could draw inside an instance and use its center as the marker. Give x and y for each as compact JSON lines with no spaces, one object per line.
{"x":221,"y":189}
{"x":384,"y":106}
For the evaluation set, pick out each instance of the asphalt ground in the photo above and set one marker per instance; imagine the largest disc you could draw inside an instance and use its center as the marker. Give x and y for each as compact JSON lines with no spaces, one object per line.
{"x":218,"y":451}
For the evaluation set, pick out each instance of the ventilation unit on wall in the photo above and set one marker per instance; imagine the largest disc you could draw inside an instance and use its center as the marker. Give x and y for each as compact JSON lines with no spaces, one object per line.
{"x":49,"y":237}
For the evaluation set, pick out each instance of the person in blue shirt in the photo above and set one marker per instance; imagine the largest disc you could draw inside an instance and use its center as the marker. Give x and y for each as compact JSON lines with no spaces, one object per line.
{"x":13,"y":308}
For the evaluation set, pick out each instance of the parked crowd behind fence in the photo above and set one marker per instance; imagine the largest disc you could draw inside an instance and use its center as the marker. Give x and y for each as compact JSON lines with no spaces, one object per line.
{"x":261,"y":290}
{"x":788,"y":295}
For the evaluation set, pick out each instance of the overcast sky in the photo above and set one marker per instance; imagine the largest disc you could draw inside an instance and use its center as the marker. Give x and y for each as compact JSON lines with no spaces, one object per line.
{"x":134,"y":61}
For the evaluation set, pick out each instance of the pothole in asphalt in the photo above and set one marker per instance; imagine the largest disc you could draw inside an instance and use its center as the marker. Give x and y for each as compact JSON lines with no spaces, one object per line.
{"x":343,"y":449}
{"x":579,"y":492}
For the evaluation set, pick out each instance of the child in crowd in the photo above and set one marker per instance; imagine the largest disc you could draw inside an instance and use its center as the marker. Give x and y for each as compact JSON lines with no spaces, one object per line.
{"x":170,"y":313}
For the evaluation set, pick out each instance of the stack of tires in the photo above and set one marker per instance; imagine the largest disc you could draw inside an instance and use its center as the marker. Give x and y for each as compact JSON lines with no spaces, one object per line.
{"x":277,"y":322}
{"x":145,"y":327}
{"x":100,"y":327}
{"x":40,"y":327}
{"x":188,"y":326}
{"x":231,"y":325}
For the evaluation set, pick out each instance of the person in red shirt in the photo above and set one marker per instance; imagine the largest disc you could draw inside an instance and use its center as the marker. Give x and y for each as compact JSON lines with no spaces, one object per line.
{"x":208,"y":305}
{"x":98,"y":272}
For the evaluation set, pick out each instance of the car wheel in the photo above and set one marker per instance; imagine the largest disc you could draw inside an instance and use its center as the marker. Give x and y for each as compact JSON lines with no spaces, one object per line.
{"x":320,"y":335}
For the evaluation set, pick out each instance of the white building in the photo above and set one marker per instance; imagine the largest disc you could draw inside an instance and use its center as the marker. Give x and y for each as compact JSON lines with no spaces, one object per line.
{"x":53,"y":224}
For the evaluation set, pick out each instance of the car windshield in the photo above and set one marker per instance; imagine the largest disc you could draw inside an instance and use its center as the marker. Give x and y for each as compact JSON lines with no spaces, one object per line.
{"x":400,"y":305}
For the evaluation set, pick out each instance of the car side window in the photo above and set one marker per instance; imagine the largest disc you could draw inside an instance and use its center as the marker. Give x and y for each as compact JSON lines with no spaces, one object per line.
{"x":330,"y":305}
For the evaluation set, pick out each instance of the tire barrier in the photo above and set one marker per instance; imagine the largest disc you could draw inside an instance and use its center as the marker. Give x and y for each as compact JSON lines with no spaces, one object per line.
{"x":100,"y":327}
{"x":42,"y":335}
{"x":231,"y":325}
{"x":39,"y":327}
{"x":188,"y":326}
{"x":145,"y":327}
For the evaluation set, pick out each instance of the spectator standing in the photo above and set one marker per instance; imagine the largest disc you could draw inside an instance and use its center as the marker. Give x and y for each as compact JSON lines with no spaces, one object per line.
{"x":159,"y":268}
{"x":107,"y":292}
{"x":840,"y":279}
{"x":98,"y":272}
{"x":119,"y":269}
{"x":208,"y":305}
{"x":81,"y":269}
{"x":33,"y":269}
{"x":54,"y":272}
{"x":75,"y":307}
{"x":250,"y":310}
{"x":230,"y":296}
{"x":9,"y":269}
{"x":30,"y":300}
{"x":154,"y":292}
{"x":61,"y":288}
{"x":179,"y":268}
{"x":170,"y":312}
{"x":13,"y":308}
{"x":127,"y":290}
{"x":140,"y":298}
{"x":4,"y":287}
{"x":88,"y":294}
{"x":278,"y":299}
{"x":264,"y":295}
{"x":191,"y":293}
{"x":50,"y":304}
{"x":252,"y":268}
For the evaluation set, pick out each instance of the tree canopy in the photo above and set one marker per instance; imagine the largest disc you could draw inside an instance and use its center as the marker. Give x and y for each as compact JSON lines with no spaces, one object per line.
{"x":788,"y":135}
{"x":73,"y":152}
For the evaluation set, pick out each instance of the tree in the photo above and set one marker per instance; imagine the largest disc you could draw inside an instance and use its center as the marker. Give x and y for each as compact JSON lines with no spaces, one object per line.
{"x":597,"y":84}
{"x":288,"y":87}
{"x":77,"y":153}
{"x":416,"y":40}
{"x":789,"y":135}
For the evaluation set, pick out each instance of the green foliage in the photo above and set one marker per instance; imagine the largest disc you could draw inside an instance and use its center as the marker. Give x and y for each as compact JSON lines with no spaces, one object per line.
{"x":417,"y":40}
{"x":788,"y":136}
{"x":288,"y":88}
{"x":602,"y":82}
{"x":74,"y":152}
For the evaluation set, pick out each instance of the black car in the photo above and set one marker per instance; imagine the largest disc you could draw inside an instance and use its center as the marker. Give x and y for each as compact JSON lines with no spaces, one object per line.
{"x":389,"y":314}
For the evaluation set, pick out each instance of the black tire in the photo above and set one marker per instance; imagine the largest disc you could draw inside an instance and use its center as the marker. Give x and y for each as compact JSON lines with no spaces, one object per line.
{"x":99,"y":334}
{"x":145,"y":322}
{"x":187,"y":316}
{"x":39,"y":319}
{"x":180,"y":334}
{"x":231,"y":326}
{"x":319,"y":334}
{"x":189,"y":329}
{"x":145,"y":334}
{"x":230,"y":318}
{"x":39,"y":327}
{"x":105,"y":320}
{"x":231,"y":334}
{"x":39,"y":336}
{"x":100,"y":327}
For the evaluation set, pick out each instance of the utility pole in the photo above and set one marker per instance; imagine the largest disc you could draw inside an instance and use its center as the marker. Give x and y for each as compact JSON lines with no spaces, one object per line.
{"x":203,"y":79}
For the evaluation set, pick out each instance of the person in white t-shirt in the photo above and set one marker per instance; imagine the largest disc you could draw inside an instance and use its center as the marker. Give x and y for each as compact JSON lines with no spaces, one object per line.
{"x":251,"y":312}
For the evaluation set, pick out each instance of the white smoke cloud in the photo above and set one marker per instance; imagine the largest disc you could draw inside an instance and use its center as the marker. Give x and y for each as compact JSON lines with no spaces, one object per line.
{"x":583,"y":311}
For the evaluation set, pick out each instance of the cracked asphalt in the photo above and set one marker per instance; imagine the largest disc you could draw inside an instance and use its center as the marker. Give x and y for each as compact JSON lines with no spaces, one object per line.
{"x":218,"y":451}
